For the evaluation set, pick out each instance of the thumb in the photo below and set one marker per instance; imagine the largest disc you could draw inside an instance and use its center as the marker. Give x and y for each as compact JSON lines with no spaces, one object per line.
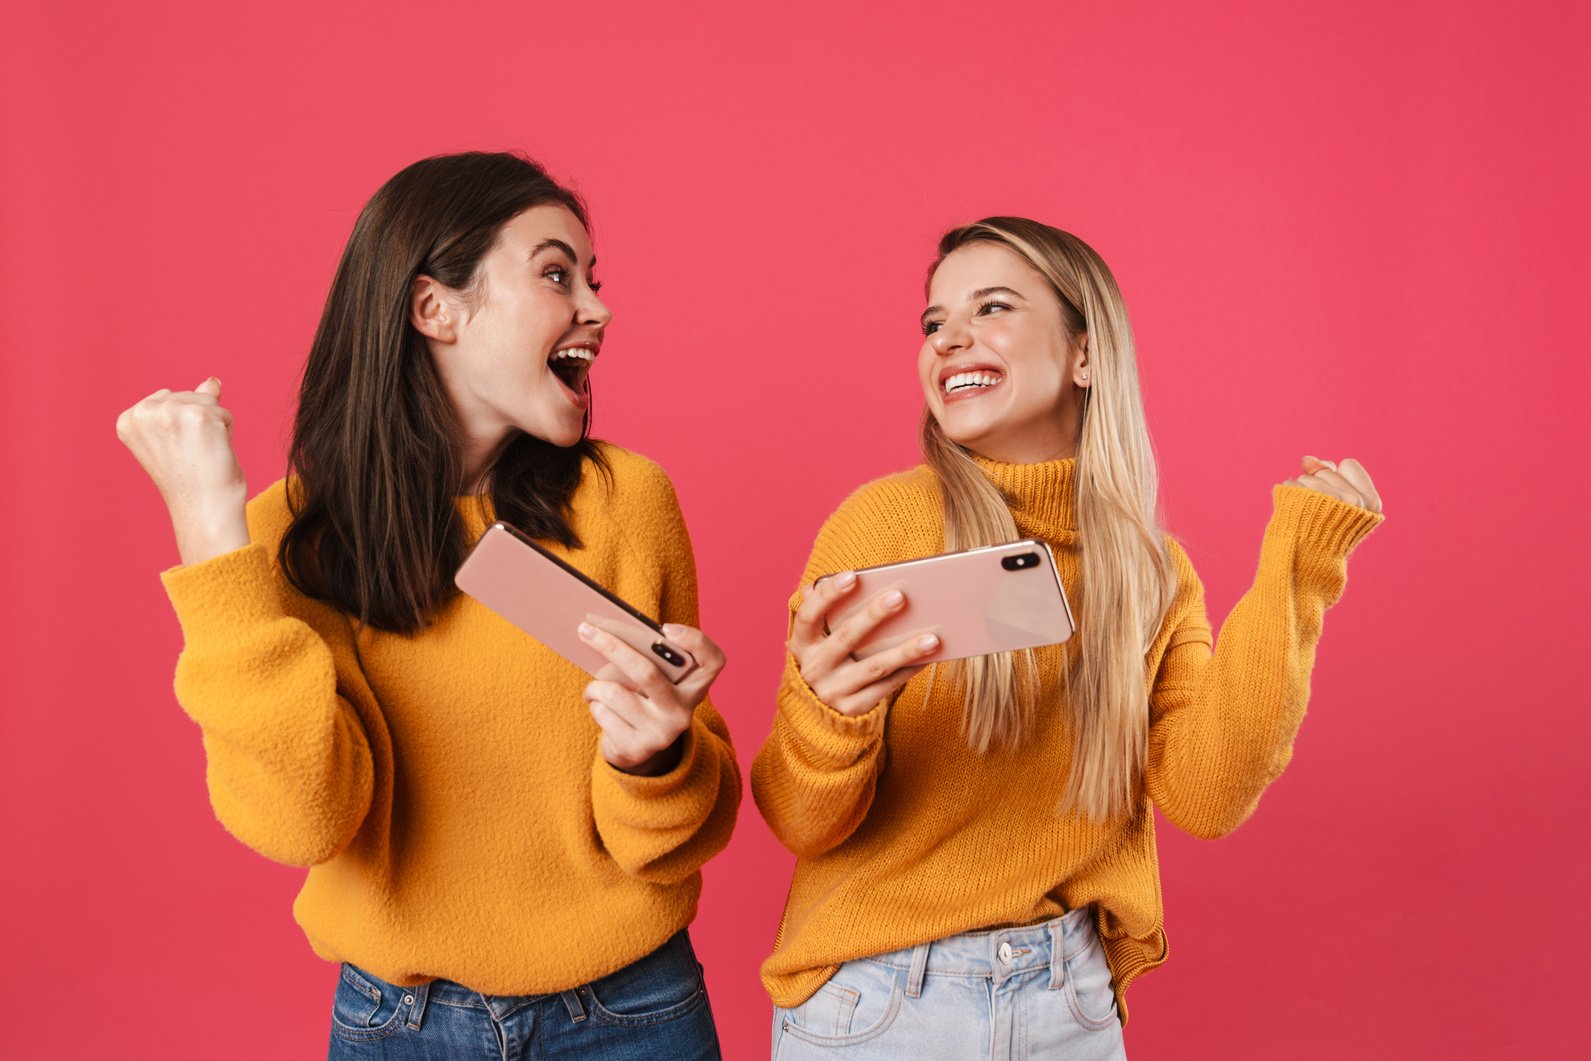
{"x":211,"y":386}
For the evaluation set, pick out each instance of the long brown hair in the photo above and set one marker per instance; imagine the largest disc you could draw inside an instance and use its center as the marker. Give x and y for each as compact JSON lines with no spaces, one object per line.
{"x":376,"y":444}
{"x":1127,"y":579}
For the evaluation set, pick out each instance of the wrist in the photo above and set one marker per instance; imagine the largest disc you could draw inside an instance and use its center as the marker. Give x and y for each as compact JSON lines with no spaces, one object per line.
{"x":660,"y":763}
{"x":205,"y":533}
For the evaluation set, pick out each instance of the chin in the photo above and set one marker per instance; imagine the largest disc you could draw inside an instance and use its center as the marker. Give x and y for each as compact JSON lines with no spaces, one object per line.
{"x":561,"y":435}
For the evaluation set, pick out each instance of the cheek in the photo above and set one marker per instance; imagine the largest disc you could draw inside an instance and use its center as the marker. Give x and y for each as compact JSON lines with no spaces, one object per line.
{"x":926,"y":361}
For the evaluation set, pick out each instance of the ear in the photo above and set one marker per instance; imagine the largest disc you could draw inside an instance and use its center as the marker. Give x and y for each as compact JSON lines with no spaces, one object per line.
{"x":432,"y":310}
{"x":1080,"y":371}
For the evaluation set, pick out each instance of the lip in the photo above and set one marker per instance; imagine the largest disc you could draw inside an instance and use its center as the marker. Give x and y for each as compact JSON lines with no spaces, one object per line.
{"x":594,"y":345}
{"x":966,"y":366}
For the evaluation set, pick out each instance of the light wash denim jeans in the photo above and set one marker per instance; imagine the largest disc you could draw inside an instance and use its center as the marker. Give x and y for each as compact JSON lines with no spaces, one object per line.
{"x":1005,"y":994}
{"x":652,"y":1009}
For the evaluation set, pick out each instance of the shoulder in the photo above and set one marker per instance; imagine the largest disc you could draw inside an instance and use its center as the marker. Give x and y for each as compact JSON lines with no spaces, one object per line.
{"x":910,"y":496}
{"x":632,"y":482}
{"x":897,"y":517}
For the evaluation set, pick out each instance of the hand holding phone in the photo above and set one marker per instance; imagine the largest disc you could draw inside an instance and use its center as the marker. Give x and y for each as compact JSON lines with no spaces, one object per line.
{"x":824,"y":657}
{"x":642,"y":714}
{"x":861,"y":635}
{"x":648,"y":679}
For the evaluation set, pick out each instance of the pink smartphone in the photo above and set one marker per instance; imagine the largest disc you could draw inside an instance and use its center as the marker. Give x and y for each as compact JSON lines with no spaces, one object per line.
{"x":548,"y":599}
{"x":997,"y":598}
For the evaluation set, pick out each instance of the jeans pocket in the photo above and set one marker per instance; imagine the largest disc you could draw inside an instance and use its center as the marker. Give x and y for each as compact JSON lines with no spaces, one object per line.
{"x":366,"y":1008}
{"x":1089,"y":990}
{"x":857,"y":1004}
{"x":663,"y":986}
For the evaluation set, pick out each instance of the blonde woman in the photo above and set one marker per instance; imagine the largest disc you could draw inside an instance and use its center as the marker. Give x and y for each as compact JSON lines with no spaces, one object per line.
{"x":977,"y":873}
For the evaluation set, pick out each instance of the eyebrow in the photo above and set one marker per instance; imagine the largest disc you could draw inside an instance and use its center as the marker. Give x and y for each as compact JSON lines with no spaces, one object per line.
{"x":558,"y":244}
{"x":982,"y":292}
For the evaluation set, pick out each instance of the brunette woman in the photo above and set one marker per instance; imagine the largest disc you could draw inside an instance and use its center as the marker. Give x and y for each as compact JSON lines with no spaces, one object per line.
{"x":504,"y":855}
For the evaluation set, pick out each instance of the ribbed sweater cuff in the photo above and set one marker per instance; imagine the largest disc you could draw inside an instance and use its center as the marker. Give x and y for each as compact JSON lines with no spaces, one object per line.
{"x":831,"y":739}
{"x":224,"y":593}
{"x":1319,"y":523}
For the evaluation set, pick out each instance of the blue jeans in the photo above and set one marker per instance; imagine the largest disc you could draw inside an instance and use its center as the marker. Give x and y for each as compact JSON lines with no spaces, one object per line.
{"x":1004,"y":994}
{"x":653,"y":1009}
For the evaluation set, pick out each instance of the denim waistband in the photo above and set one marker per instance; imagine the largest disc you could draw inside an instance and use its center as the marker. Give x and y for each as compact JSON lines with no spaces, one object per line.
{"x":451,"y":993}
{"x":997,"y":954}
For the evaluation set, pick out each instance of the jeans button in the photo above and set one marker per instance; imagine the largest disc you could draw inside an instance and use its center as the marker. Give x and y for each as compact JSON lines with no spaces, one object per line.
{"x":408,"y":1000}
{"x":1005,"y":953}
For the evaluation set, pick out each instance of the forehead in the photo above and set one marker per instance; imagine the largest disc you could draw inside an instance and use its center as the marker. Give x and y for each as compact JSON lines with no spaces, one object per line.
{"x":979,"y":265}
{"x":531,"y":228}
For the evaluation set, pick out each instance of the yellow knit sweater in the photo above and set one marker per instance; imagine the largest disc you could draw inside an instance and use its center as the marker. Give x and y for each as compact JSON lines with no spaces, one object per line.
{"x":445,"y":786}
{"x":905,"y":835}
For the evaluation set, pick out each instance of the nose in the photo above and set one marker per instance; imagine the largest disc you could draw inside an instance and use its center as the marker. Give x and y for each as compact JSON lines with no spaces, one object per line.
{"x":950,"y":338}
{"x":593,"y":311}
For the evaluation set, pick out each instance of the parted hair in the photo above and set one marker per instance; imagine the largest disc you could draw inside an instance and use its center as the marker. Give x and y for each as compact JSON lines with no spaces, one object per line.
{"x":1127,"y":579}
{"x":375,"y":460}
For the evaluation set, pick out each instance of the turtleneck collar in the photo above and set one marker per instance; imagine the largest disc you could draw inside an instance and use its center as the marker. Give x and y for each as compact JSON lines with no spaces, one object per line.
{"x":1041,"y":494}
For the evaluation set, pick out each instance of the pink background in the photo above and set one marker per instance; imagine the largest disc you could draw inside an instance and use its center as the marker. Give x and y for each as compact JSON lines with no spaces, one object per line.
{"x":1342,"y":229}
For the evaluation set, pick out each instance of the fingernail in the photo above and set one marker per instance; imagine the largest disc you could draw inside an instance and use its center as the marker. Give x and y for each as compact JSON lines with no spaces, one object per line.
{"x":845,"y":580}
{"x":673,"y":630}
{"x":588,"y":632}
{"x":893,"y":598}
{"x":927,"y":642}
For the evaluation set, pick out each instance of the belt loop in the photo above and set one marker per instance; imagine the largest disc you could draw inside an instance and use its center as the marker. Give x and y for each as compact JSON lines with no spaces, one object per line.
{"x":571,"y":1002}
{"x":914,"y":979}
{"x":1057,"y":930}
{"x":420,"y":993}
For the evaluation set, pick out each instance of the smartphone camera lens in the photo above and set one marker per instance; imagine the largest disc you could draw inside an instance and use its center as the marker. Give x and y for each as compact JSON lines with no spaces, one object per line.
{"x":668,"y":654}
{"x":1019,"y":561}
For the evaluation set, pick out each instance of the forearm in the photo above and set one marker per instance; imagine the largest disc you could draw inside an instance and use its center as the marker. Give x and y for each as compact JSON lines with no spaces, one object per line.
{"x":814,"y":777}
{"x":1224,"y":720}
{"x":664,"y":828}
{"x":288,"y":763}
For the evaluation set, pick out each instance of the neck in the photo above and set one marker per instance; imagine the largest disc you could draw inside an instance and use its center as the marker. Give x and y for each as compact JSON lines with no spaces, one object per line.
{"x":480,"y":452}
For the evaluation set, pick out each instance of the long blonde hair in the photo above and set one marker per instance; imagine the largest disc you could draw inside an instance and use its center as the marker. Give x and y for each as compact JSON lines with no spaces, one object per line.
{"x":1127,"y":579}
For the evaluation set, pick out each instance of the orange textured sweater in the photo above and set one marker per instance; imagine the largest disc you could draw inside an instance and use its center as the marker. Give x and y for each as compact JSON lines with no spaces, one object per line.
{"x":905,"y":835}
{"x":445,"y":786}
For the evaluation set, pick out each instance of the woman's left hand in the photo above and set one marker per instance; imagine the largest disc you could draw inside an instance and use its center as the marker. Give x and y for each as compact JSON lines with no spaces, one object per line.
{"x":1346,"y":481}
{"x":641,"y":713}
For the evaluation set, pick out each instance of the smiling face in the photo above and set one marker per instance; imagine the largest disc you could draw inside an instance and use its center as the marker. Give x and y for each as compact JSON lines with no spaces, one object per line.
{"x":996,"y":366}
{"x":515,"y":350}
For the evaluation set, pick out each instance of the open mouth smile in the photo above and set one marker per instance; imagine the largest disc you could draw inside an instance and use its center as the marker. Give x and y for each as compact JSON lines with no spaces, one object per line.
{"x":968,"y":381}
{"x":571,"y":365}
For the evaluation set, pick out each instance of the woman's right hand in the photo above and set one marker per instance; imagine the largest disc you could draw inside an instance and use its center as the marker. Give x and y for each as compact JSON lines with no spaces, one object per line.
{"x":183,"y":439}
{"x":852,"y":686}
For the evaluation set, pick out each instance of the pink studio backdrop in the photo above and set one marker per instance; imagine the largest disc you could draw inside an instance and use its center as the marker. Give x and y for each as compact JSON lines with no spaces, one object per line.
{"x":1342,"y":229}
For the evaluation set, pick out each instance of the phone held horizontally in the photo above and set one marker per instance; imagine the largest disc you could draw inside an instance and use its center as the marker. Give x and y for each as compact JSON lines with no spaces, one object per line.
{"x":997,"y":598}
{"x":548,"y":599}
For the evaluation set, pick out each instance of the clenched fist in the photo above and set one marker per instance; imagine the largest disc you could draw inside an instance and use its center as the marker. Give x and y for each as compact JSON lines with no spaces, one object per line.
{"x":1347,"y":481}
{"x":183,"y":439}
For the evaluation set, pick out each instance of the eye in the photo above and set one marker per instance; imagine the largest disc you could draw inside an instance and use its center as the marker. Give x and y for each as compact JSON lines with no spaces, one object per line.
{"x":558,"y":274}
{"x":930,"y":327}
{"x":596,"y":287}
{"x":984,"y":309}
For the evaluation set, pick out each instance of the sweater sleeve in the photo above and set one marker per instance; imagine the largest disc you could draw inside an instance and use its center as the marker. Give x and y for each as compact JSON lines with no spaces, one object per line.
{"x":1223,"y":717}
{"x":288,"y":764}
{"x":816,"y":774}
{"x":663,"y":829}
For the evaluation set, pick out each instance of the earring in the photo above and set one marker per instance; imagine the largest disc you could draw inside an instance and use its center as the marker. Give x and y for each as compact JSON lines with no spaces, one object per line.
{"x":1085,"y":376}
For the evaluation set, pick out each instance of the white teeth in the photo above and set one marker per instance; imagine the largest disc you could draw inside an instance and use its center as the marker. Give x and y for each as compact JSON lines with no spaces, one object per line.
{"x":963,"y":380}
{"x":581,"y":353}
